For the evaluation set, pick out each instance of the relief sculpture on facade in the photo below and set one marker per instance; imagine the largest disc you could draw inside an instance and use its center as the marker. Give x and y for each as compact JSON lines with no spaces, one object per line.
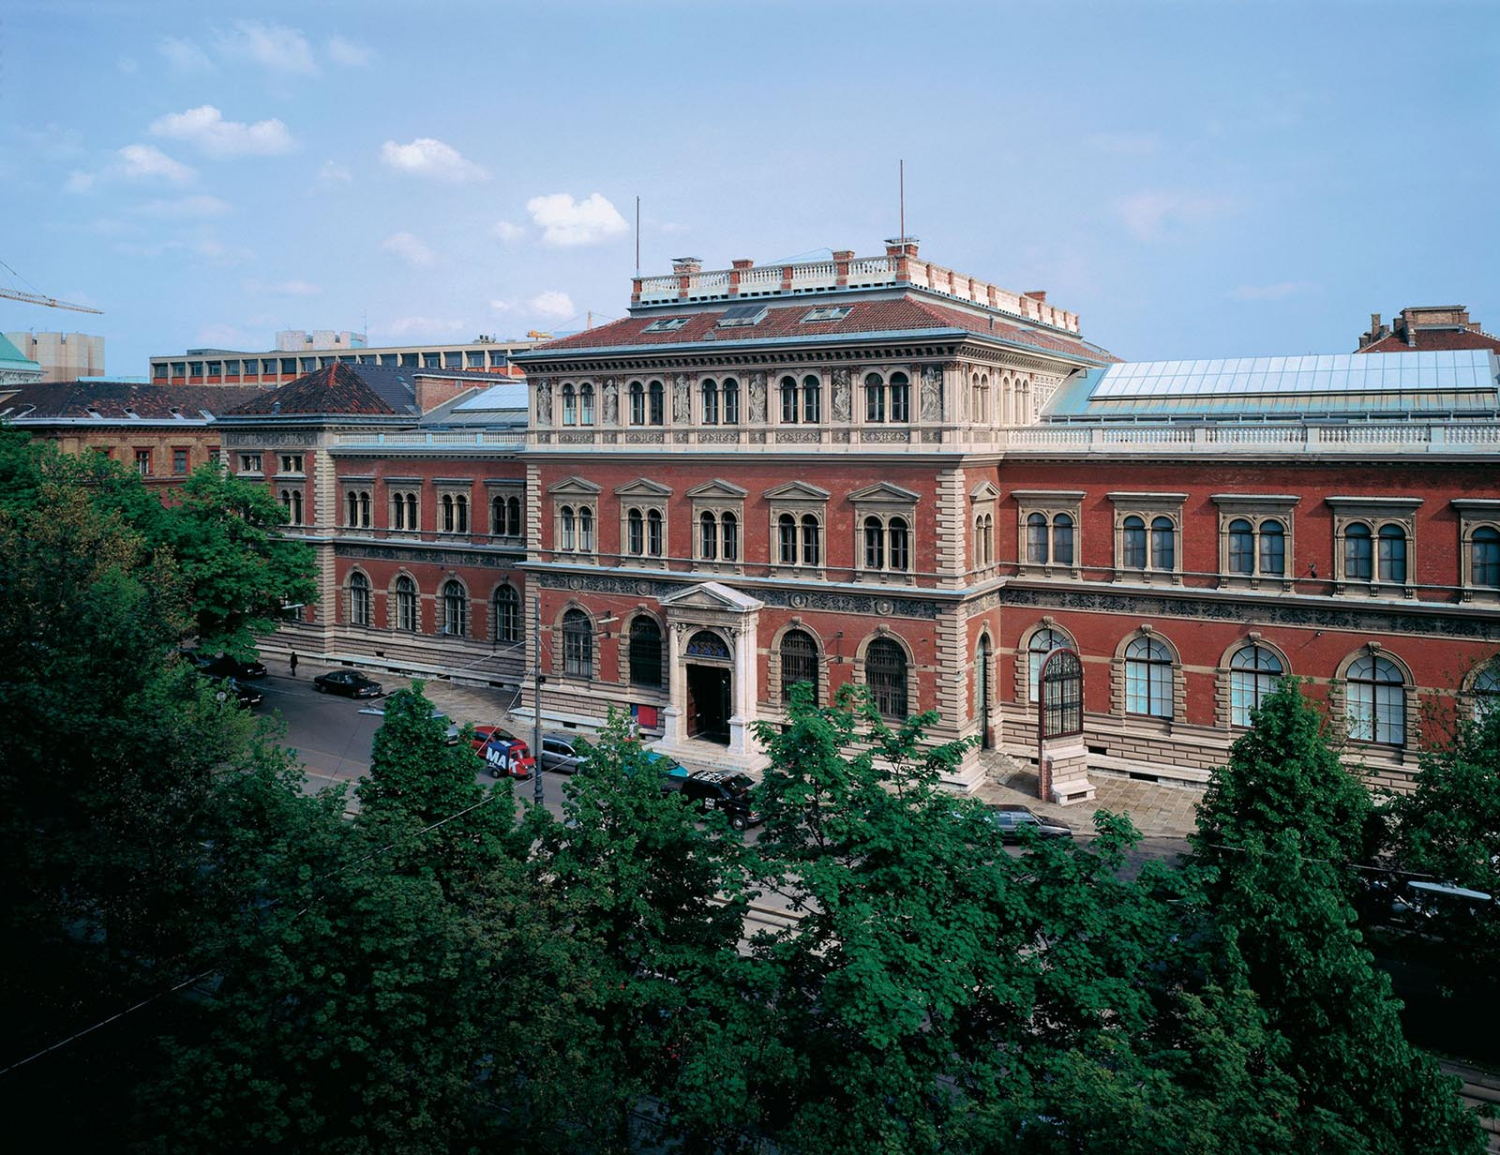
{"x":680,"y":402}
{"x":611,"y":402}
{"x":757,"y":398}
{"x":932,"y":393}
{"x":544,"y":403}
{"x":841,"y":395}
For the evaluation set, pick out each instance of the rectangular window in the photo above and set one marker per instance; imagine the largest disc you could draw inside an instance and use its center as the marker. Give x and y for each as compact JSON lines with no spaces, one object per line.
{"x":179,"y":461}
{"x":143,"y":462}
{"x":291,"y":463}
{"x":250,"y":463}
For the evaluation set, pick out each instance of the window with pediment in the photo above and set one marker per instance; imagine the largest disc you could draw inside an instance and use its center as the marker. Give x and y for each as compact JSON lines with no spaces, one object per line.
{"x":643,"y":526}
{"x":1148,"y":529}
{"x":798,"y":512}
{"x":404,"y":509}
{"x":983,"y":499}
{"x":1374,"y":544}
{"x":1479,"y":548}
{"x":1256,"y":539}
{"x":575,"y":511}
{"x":884,"y":517}
{"x":1048,"y":542}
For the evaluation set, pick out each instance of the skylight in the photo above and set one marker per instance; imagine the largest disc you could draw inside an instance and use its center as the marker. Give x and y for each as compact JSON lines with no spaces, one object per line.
{"x":666,"y":325}
{"x":828,"y":313}
{"x":742,"y":316}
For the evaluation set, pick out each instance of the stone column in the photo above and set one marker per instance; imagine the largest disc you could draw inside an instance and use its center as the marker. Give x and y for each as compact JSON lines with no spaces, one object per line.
{"x":745,"y":689}
{"x":672,"y":731}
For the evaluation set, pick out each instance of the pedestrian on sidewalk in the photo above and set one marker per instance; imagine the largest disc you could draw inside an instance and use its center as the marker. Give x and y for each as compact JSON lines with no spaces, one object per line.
{"x":294,"y":663}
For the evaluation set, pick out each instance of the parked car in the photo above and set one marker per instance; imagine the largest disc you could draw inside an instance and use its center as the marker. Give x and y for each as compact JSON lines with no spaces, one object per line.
{"x":350,"y":683}
{"x":561,"y":752}
{"x":227,"y":667}
{"x":243,"y":695}
{"x":725,"y":791}
{"x":508,"y":757}
{"x":484,"y":732}
{"x":1011,"y":820}
{"x":452,"y":732}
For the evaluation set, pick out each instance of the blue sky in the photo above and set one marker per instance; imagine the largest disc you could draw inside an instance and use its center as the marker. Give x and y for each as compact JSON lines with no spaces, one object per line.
{"x":1194,"y":179}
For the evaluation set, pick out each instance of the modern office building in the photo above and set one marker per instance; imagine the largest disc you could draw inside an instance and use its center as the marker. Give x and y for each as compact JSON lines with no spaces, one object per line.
{"x":62,"y":356}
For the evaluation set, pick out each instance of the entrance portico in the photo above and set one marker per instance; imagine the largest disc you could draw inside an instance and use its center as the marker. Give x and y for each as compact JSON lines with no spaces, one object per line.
{"x":712,"y":640}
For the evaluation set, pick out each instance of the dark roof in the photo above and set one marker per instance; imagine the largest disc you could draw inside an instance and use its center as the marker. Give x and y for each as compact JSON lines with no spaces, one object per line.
{"x":900,"y":314}
{"x":344,"y":390}
{"x":113,"y":400}
{"x":1424,"y":340}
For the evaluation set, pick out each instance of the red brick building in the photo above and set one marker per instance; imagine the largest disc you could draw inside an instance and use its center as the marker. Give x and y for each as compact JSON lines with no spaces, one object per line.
{"x":880,"y":471}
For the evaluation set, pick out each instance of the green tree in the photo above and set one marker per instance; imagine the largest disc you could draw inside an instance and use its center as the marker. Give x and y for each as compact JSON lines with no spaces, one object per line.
{"x":1277,"y":827}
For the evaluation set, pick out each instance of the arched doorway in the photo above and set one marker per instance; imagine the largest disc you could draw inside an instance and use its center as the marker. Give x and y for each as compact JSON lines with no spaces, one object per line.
{"x":708,"y":664}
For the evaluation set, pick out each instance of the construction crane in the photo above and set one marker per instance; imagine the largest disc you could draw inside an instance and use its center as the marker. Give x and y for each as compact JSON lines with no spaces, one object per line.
{"x":49,"y":302}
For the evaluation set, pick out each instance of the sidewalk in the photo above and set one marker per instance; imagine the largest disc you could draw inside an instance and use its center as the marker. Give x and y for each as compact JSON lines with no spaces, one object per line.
{"x":1157,"y":811}
{"x":476,"y":704}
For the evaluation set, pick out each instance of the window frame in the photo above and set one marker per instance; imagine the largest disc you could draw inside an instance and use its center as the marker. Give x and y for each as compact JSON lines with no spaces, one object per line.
{"x":1160,"y":523}
{"x":1374,"y":513}
{"x":1049,"y":503}
{"x":1477,"y":514}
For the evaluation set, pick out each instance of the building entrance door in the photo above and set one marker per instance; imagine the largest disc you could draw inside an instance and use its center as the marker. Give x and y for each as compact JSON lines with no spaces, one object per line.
{"x":708,"y":708}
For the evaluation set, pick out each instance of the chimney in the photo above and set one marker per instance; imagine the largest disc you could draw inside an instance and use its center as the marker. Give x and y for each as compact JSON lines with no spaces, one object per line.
{"x":743,"y":263}
{"x":901,"y":246}
{"x":687,"y":264}
{"x":1375,"y":333}
{"x":430,"y":392}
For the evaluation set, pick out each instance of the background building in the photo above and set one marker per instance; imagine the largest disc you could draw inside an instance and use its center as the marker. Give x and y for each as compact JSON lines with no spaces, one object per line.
{"x":15,"y":367}
{"x":62,"y":356}
{"x":298,"y":340}
{"x":1426,"y":327}
{"x":279,"y":366}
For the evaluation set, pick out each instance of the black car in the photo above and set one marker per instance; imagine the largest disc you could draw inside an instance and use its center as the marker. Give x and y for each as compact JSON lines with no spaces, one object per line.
{"x":226,"y":667}
{"x":1011,"y":820}
{"x":350,"y":683}
{"x":718,"y":790}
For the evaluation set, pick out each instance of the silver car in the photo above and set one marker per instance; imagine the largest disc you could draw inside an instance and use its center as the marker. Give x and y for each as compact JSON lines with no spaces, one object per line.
{"x":561,"y":752}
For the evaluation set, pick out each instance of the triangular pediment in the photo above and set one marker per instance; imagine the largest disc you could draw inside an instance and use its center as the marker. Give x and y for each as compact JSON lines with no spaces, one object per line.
{"x":717,"y":488}
{"x":885,"y":491}
{"x":641,"y":487}
{"x":984,"y":491}
{"x":711,"y":596}
{"x":574,"y":485}
{"x":796,"y":491}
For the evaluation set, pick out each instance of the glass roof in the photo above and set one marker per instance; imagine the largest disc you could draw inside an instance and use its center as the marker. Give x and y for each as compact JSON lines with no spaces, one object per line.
{"x":1341,"y":383}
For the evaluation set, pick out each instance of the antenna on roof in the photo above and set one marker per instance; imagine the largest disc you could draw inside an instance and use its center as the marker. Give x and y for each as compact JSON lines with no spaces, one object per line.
{"x":638,"y":236}
{"x":902,"y":171}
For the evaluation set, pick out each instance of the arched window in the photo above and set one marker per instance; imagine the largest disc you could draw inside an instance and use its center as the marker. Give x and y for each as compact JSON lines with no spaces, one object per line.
{"x":1036,"y":539}
{"x":812,"y":400}
{"x":788,"y":400}
{"x":1043,"y":642}
{"x":507,"y":614}
{"x":1062,"y":539}
{"x":657,"y":397}
{"x":1357,"y":559}
{"x":982,"y":690}
{"x":1486,"y":691}
{"x":812,"y":548}
{"x":1485,"y":566}
{"x":398,"y":512}
{"x":1163,"y":544}
{"x":900,"y":397}
{"x":1254,"y":673}
{"x":731,"y":401}
{"x":1134,"y":531}
{"x":1241,"y":546}
{"x":406,"y":604}
{"x":710,"y":402}
{"x":708,"y":537}
{"x":885,"y":674}
{"x":1272,"y":548}
{"x":984,"y":540}
{"x":874,"y":543}
{"x":586,"y":404}
{"x":455,"y":609}
{"x":585,"y":529}
{"x":460,"y":514}
{"x":1392,"y":554}
{"x":1377,"y":701}
{"x":874,"y":397}
{"x":653,"y":533}
{"x":645,"y":652}
{"x":513,"y":516}
{"x":364,"y":510}
{"x":411,"y":512}
{"x":447,"y":513}
{"x":786,"y":539}
{"x":578,"y":645}
{"x":899,"y":557}
{"x":569,"y":533}
{"x":359,"y":600}
{"x":569,"y":405}
{"x":497,"y":515}
{"x":731,"y":537}
{"x":351,"y":502}
{"x":1148,"y":678}
{"x":635,"y":533}
{"x":799,"y":663}
{"x":637,"y":403}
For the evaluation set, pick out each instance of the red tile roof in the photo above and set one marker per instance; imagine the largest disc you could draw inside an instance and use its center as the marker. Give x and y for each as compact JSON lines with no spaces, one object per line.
{"x":900,"y":314}
{"x":341,"y":390}
{"x":1428,"y":339}
{"x":113,"y":400}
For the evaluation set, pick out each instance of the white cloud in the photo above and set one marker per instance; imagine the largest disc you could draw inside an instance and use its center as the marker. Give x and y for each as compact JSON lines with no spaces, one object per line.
{"x":1154,"y":215}
{"x":428,"y":157}
{"x":147,"y":162}
{"x":272,"y":46}
{"x":347,"y":52}
{"x":566,"y":222}
{"x":206,"y":129}
{"x":552,"y":303}
{"x":506,"y":231}
{"x":408,"y":248}
{"x":501,"y":306}
{"x":282,"y":288}
{"x":405,"y":326}
{"x":184,"y":55}
{"x":180,"y":208}
{"x":331,"y":176}
{"x":1276,"y":292}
